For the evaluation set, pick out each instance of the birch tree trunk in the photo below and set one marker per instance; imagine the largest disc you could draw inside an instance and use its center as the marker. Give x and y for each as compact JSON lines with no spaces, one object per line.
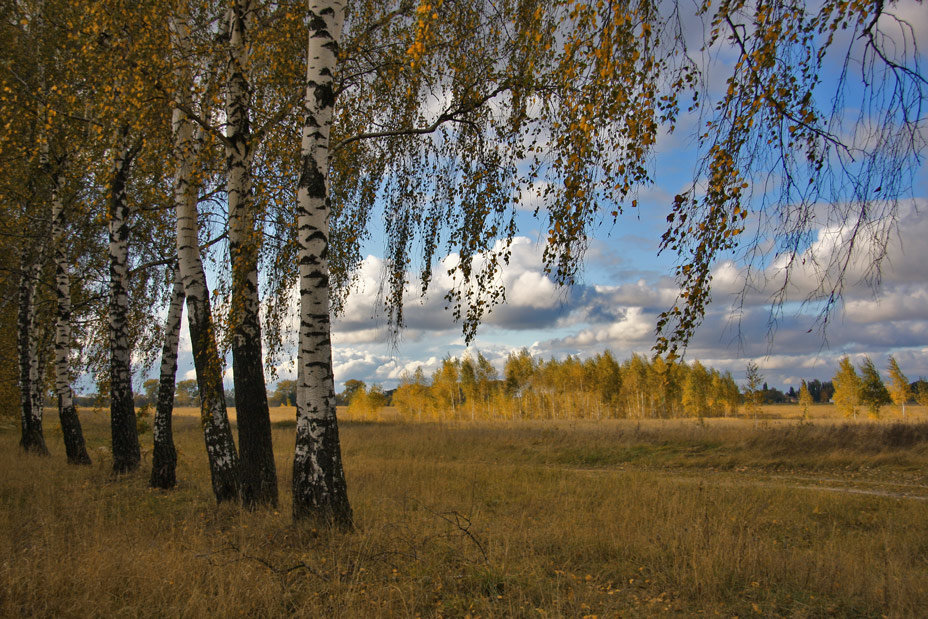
{"x":220,"y":447}
{"x":125,"y":436}
{"x":258,"y":472}
{"x":73,"y":435}
{"x":32,"y":439}
{"x":164,"y":455}
{"x":42,"y":344}
{"x":319,"y":488}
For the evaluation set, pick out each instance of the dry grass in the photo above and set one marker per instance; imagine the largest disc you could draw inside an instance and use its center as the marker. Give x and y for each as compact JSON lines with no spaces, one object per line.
{"x":913,"y":413}
{"x":529,"y":519}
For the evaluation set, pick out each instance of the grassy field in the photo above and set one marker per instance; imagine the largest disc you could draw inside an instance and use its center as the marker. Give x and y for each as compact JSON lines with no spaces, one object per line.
{"x":517,"y":519}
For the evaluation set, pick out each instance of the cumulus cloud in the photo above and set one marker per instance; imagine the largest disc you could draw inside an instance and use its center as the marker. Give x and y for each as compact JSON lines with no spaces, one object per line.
{"x":741,"y":324}
{"x":533,"y":300}
{"x":619,"y":313}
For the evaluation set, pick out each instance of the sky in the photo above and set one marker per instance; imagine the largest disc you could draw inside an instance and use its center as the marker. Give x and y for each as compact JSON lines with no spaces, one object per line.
{"x":625,"y":284}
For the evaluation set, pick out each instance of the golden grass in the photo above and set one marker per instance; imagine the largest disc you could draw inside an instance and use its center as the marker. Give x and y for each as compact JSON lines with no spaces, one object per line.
{"x":827,"y":411}
{"x":527,"y":519}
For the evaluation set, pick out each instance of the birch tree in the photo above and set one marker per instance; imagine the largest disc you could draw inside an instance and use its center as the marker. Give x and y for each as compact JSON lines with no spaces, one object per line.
{"x":258,"y":472}
{"x":164,"y":454}
{"x":899,"y":388}
{"x":752,"y":392}
{"x":805,"y":400}
{"x":125,"y":437}
{"x":24,"y":144}
{"x":74,"y":445}
{"x":319,"y":488}
{"x":220,"y":447}
{"x":847,"y":388}
{"x":455,"y":174}
{"x":30,"y":375}
{"x":873,"y":393}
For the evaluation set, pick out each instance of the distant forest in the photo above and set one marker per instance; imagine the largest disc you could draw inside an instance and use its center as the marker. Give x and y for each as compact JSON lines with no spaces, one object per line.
{"x":601,"y":387}
{"x":530,"y":387}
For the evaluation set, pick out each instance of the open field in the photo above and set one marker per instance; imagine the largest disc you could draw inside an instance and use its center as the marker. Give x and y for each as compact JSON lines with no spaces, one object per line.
{"x":493,"y":519}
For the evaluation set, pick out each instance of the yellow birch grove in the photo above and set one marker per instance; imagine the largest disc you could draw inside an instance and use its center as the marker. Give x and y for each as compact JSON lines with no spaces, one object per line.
{"x":593,"y":388}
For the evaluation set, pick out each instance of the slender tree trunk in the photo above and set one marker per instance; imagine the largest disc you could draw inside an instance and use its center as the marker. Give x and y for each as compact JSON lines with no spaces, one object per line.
{"x":125,"y":436}
{"x":319,"y":488}
{"x":164,"y":456}
{"x":73,"y":435}
{"x":32,"y":438}
{"x":258,"y":472}
{"x":220,"y":447}
{"x":42,"y":346}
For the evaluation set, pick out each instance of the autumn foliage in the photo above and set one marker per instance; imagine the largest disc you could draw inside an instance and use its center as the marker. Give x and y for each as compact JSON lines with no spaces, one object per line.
{"x":595,"y":388}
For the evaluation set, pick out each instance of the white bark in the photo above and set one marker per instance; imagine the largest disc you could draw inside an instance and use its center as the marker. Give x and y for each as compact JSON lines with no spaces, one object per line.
{"x":27,"y":345}
{"x":318,"y":479}
{"x":164,"y":455}
{"x":63,"y":324}
{"x":239,"y":155}
{"x":220,"y":448}
{"x":67,"y":413}
{"x":238,"y":149}
{"x":125,"y":438}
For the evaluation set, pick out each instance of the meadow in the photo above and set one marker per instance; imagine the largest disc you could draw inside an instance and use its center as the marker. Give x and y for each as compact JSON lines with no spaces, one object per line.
{"x":541,"y":519}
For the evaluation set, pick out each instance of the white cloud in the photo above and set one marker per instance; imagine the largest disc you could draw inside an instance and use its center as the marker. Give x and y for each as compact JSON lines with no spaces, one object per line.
{"x":589,"y":318}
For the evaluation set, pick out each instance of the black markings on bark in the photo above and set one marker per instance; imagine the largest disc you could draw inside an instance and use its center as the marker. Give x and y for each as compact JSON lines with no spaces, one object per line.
{"x":220,"y":448}
{"x":32,"y":438}
{"x":325,"y":95}
{"x":164,"y":455}
{"x":258,"y":474}
{"x":124,"y":431}
{"x":312,"y":179}
{"x":73,"y":434}
{"x":319,"y":488}
{"x":74,"y":444}
{"x":321,"y":495}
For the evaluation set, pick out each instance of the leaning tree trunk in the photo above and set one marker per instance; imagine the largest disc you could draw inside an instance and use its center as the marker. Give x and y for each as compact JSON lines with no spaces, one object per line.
{"x":123,"y":425}
{"x":220,"y":447}
{"x":74,"y":445}
{"x":319,"y":489}
{"x":258,"y":473}
{"x":164,"y":455}
{"x":33,"y":438}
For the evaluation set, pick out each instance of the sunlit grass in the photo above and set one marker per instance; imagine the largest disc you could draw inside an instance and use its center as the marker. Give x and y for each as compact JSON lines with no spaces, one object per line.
{"x":526,"y":519}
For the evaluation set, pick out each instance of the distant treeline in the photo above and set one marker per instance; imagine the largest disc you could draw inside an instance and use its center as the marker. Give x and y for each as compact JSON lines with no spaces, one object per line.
{"x":595,"y":388}
{"x":186,"y":393}
{"x":530,"y":388}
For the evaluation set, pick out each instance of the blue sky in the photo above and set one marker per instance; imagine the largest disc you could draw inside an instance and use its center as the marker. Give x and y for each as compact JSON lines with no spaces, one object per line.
{"x":625,"y":284}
